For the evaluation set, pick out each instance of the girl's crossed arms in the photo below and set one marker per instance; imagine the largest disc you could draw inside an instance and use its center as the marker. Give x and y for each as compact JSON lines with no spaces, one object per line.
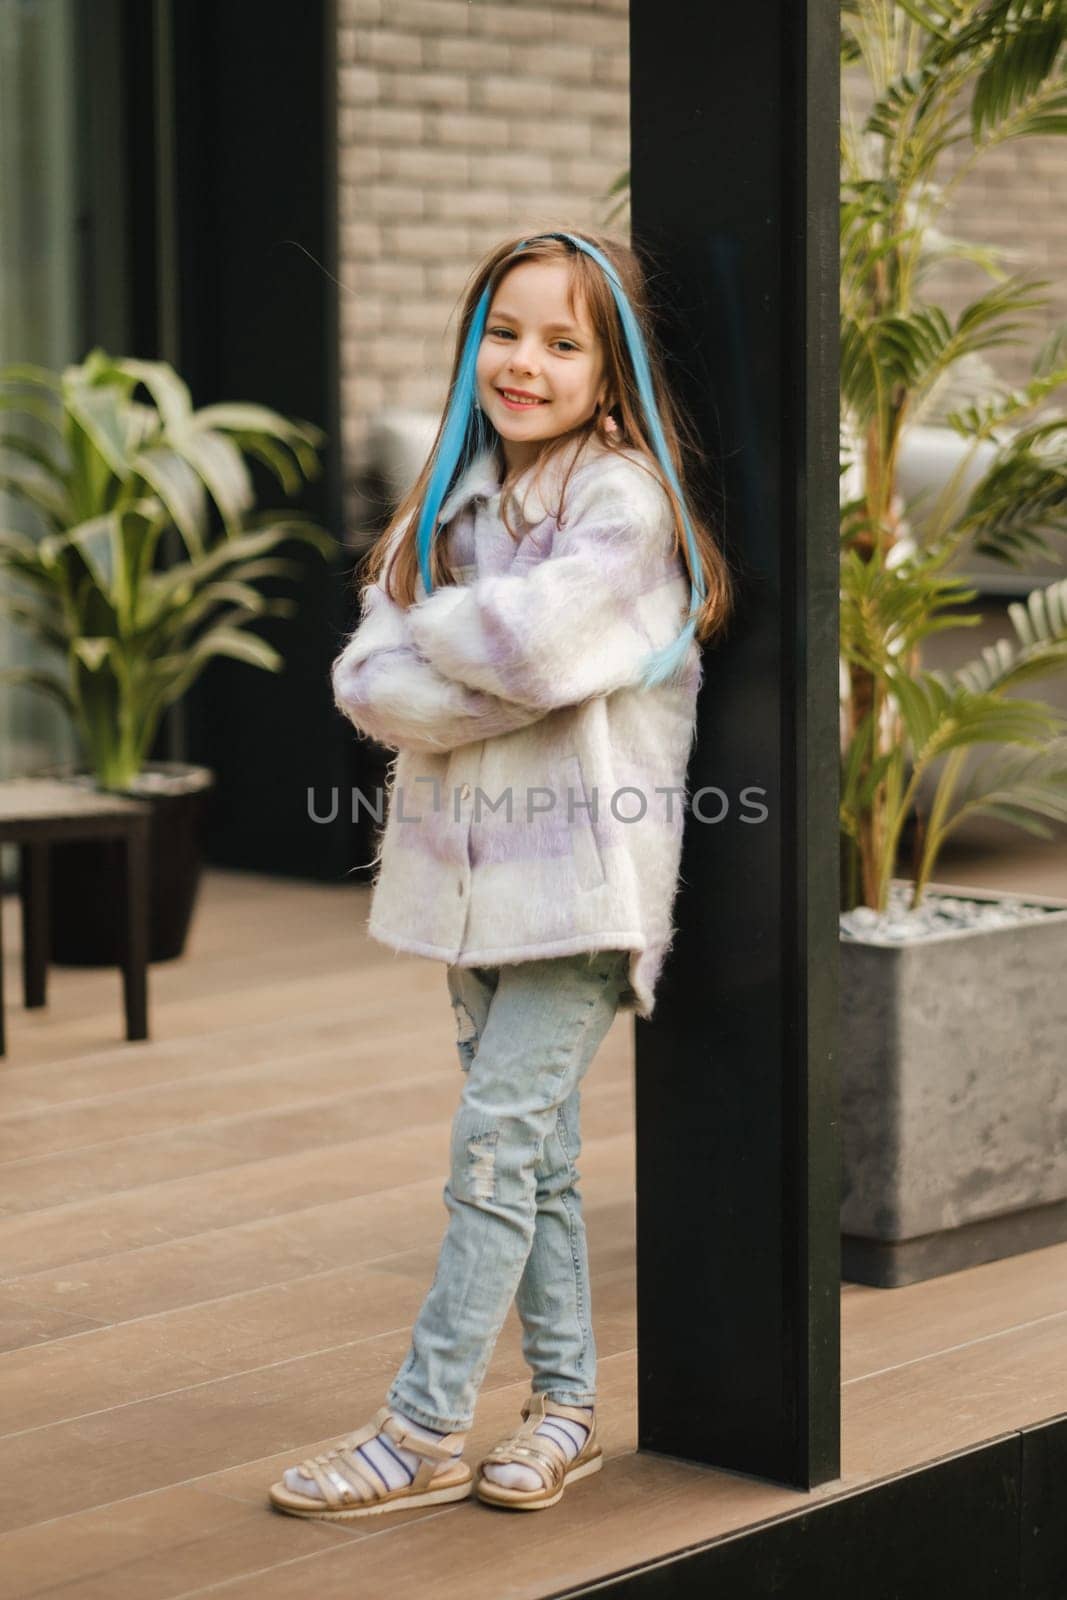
{"x":480,"y":660}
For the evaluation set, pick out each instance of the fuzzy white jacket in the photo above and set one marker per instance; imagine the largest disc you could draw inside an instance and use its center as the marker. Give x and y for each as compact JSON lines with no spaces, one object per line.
{"x":536,"y":804}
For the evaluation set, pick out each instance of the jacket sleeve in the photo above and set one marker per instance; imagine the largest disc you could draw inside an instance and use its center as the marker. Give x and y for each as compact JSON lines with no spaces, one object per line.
{"x":583,"y":621}
{"x":388,"y":690}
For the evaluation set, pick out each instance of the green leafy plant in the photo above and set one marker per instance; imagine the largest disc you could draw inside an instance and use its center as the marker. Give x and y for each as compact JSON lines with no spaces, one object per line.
{"x":940,"y":75}
{"x":966,"y":75}
{"x":110,"y":478}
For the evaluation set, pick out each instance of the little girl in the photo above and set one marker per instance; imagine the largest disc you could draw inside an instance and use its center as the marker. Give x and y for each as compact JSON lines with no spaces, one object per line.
{"x":538,"y":679}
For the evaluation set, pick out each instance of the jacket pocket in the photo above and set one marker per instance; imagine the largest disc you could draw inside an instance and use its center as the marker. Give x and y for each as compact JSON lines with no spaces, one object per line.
{"x":588,"y":862}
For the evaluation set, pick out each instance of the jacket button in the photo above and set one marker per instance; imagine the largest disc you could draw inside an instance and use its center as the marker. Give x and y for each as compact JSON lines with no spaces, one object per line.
{"x":465,"y":792}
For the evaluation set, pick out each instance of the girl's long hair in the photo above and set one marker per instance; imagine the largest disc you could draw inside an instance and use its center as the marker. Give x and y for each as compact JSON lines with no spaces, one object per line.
{"x":622,"y":404}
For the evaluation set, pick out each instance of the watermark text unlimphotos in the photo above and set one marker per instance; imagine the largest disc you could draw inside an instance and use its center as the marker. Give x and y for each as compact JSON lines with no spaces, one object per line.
{"x":627,"y":804}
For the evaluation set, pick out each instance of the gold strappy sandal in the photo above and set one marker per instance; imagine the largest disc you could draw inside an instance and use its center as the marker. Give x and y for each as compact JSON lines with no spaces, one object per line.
{"x":364,"y":1494}
{"x":530,"y":1449}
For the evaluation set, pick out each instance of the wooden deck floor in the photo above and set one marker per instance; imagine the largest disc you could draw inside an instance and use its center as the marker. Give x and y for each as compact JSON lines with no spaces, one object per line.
{"x":213,"y":1244}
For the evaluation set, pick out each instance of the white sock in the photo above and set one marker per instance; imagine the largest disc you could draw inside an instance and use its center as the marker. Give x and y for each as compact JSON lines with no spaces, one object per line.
{"x":396,"y":1468}
{"x":570,"y":1436}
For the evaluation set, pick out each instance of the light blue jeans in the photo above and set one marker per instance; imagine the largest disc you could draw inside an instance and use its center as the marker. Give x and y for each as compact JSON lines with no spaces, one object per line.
{"x":526,"y":1035}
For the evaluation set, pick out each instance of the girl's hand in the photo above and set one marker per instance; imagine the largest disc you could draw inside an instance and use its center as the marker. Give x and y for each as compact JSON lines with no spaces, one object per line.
{"x":388,"y":690}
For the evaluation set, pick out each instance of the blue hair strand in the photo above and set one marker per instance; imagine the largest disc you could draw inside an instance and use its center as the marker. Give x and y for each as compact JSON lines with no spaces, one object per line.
{"x":466,"y":432}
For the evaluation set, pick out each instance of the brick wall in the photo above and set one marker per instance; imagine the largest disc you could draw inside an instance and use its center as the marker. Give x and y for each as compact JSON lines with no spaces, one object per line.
{"x":1014,"y":197}
{"x":464,"y":120}
{"x":460,"y":123}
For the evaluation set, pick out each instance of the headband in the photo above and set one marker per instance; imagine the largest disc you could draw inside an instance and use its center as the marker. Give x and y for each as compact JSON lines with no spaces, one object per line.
{"x":466,"y":433}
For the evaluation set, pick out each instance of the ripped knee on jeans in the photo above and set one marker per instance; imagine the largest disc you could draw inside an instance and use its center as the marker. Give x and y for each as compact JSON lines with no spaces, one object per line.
{"x":481,"y":1165}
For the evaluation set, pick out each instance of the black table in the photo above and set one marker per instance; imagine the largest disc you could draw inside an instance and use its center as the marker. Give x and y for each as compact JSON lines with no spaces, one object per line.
{"x":33,"y":813}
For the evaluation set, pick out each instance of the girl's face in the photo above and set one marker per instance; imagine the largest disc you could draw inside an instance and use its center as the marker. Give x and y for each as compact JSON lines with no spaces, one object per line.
{"x":533,"y":345}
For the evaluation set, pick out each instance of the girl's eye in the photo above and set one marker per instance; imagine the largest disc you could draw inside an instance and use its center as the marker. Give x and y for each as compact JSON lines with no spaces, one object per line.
{"x":568,"y":342}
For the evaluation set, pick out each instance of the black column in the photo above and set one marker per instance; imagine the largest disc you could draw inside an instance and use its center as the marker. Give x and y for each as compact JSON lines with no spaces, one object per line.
{"x":734,"y":198}
{"x":251,"y":295}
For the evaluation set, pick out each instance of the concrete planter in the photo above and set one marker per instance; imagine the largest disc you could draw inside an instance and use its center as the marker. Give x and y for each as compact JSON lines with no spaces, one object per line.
{"x":953,"y":1096}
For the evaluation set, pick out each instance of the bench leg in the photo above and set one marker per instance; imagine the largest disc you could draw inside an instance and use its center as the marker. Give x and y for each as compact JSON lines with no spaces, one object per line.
{"x":33,"y":893}
{"x":135,"y":955}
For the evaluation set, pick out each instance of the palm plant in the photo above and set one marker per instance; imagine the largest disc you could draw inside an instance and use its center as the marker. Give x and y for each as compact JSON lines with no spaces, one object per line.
{"x":109,"y":478}
{"x":940,"y":75}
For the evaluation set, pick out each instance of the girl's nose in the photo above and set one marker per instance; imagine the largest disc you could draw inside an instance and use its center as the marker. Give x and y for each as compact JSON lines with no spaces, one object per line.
{"x":523,"y":360}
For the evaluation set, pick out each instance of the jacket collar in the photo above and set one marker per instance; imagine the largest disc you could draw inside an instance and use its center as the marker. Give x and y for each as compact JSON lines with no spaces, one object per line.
{"x":482,"y":478}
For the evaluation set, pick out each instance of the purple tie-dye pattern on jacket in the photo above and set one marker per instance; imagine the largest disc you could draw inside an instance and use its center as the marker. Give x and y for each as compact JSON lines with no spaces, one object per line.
{"x":518,"y":678}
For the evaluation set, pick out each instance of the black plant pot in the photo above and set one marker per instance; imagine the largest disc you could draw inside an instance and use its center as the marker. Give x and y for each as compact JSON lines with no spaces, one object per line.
{"x":85,"y":903}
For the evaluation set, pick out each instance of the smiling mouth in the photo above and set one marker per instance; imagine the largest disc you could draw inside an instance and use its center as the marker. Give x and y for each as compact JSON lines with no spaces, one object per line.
{"x":514,"y":399}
